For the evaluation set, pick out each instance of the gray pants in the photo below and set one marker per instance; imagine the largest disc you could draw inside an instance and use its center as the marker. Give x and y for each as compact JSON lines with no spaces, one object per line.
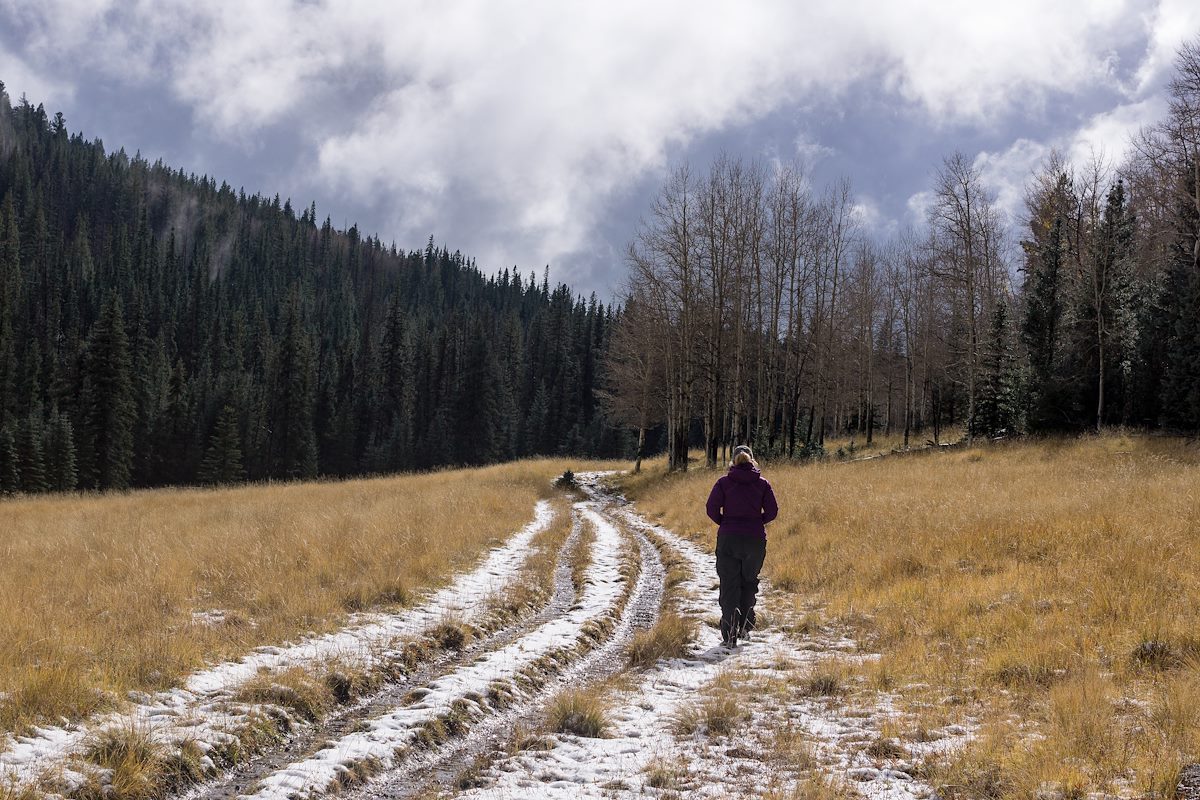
{"x":739,"y":559}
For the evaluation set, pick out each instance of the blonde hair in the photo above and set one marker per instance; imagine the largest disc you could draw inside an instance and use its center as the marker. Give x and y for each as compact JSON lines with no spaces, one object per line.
{"x":743,"y":455}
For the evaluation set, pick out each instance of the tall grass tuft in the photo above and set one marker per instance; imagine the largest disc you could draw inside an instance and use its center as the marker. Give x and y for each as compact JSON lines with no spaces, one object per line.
{"x":669,"y":638}
{"x":579,"y":711}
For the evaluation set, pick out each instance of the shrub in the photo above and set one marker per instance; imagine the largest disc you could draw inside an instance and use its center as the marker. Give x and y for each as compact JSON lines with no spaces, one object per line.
{"x":578,"y":711}
{"x":825,"y":682}
{"x":716,"y":715}
{"x":294,"y":689}
{"x":667,"y":639}
{"x":137,"y":767}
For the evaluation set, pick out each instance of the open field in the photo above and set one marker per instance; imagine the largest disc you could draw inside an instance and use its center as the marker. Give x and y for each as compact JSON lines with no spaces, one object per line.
{"x":1003,"y":621}
{"x":1049,"y":591}
{"x":100,"y":595}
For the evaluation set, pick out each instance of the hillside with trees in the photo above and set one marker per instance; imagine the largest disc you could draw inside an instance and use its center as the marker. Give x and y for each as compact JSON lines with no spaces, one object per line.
{"x":159,"y":328}
{"x":759,"y":311}
{"x":162,"y":328}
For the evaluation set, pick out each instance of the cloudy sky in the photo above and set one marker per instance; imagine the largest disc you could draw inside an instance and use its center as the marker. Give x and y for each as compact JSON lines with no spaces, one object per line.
{"x":531,"y":133}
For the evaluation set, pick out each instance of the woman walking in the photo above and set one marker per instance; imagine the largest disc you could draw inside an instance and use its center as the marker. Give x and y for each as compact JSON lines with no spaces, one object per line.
{"x":741,"y":504}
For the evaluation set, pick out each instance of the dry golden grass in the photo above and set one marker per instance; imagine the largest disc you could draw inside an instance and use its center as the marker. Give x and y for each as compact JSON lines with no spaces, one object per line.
{"x":583,"y":712}
{"x":136,"y":766}
{"x":851,"y":446}
{"x":666,"y":775}
{"x":296,"y":689}
{"x":98,"y":593}
{"x":719,"y":710}
{"x":669,"y":638}
{"x":1043,"y":585}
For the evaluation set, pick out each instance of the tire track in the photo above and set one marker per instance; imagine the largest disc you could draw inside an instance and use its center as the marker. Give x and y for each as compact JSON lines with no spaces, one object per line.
{"x":307,"y":741}
{"x":446,"y":714}
{"x":442,"y":766}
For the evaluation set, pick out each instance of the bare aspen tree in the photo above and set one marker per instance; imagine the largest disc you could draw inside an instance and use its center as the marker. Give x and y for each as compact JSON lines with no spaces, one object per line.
{"x":841,"y":233}
{"x":903,"y":274}
{"x":786,"y":209}
{"x":1169,"y":151}
{"x":962,"y":223}
{"x":665,"y":276}
{"x":635,"y":392}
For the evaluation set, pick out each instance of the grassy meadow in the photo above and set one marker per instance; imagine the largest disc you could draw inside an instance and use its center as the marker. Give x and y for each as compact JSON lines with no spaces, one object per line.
{"x":1047,"y":591}
{"x":103,"y":594}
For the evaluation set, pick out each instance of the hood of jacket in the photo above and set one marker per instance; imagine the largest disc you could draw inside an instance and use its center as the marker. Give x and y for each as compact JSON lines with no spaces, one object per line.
{"x":744,"y":473}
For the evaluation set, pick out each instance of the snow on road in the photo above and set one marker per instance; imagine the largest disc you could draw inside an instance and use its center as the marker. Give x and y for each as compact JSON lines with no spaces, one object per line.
{"x":388,"y":734}
{"x":645,"y":752}
{"x":196,"y":711}
{"x":836,"y":737}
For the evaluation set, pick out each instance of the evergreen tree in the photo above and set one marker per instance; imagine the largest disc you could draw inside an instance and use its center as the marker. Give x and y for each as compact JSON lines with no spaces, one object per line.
{"x":1046,"y":255}
{"x":294,"y":445}
{"x":10,"y":299}
{"x":107,"y":407}
{"x":1181,"y":372}
{"x":60,"y":454}
{"x":1111,"y":311}
{"x":998,"y":409}
{"x":31,"y":455}
{"x":10,"y":474}
{"x":222,"y":462}
{"x":536,"y":440}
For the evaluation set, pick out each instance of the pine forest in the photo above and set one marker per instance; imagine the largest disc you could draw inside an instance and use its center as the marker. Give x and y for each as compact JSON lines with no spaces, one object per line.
{"x":159,"y":328}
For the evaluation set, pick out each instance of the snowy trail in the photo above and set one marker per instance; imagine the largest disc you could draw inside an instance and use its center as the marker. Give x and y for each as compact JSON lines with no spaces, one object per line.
{"x":198,"y":711}
{"x":464,"y":691}
{"x":307,"y":739}
{"x":645,"y":754}
{"x":425,"y":771}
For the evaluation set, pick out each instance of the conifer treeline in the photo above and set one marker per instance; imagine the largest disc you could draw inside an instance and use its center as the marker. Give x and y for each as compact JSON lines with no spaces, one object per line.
{"x":158,"y":328}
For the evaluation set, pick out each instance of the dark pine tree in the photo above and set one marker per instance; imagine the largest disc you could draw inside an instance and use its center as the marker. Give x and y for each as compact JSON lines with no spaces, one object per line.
{"x":31,"y":454}
{"x":294,"y":443}
{"x":1046,"y":255}
{"x":107,"y":410}
{"x":60,"y":454}
{"x":222,"y":462}
{"x":10,"y":474}
{"x":998,"y":407}
{"x":1179,"y":327}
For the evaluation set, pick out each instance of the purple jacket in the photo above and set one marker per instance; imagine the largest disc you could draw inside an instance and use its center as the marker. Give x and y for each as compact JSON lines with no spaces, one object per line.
{"x":742,"y":502}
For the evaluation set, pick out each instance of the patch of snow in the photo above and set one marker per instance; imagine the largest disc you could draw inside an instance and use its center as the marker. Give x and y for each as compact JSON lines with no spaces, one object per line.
{"x":209,"y":618}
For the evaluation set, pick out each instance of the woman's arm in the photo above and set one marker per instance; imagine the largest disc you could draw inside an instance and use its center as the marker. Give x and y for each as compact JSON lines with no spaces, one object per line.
{"x":770,"y":506}
{"x":716,"y":499}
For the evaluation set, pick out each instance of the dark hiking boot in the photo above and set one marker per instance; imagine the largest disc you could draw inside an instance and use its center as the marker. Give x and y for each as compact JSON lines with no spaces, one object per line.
{"x":747,"y":626}
{"x":731,"y":629}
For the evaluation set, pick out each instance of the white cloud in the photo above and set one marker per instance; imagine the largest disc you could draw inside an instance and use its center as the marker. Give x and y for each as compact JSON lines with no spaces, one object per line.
{"x":870,"y":217}
{"x":1006,"y":173}
{"x":811,"y":151}
{"x":508,"y":127}
{"x":1167,"y":24}
{"x":19,"y":79}
{"x":1105,"y":136}
{"x":917,"y":208}
{"x":1110,"y":133}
